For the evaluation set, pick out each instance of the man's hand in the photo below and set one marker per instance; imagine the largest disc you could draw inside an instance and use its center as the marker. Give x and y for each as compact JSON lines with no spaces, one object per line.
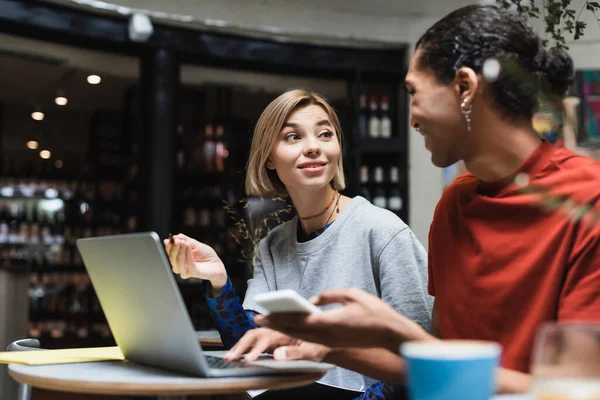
{"x":364,"y":320}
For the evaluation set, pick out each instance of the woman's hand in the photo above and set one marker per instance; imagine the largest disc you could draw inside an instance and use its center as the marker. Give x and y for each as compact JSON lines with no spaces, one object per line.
{"x":261,"y":340}
{"x":257,"y":341}
{"x":192,"y":259}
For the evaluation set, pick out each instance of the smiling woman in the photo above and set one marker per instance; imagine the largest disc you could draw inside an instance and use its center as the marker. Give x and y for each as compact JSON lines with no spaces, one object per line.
{"x":293,"y":121}
{"x":308,"y":145}
{"x":335,"y":241}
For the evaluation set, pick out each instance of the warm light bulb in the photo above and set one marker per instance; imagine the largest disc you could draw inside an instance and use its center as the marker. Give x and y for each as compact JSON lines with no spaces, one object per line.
{"x":61,"y":101}
{"x":37,"y":115}
{"x":58,"y":164}
{"x":93,"y":79}
{"x":32,"y":144}
{"x":45,"y":154}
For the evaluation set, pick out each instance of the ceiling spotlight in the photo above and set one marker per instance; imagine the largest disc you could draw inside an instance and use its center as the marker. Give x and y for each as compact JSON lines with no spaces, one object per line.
{"x":58,"y":164}
{"x":61,"y":98}
{"x":32,"y":144}
{"x":37,"y":115}
{"x":140,"y":27}
{"x":94,"y":79}
{"x":61,"y":101}
{"x":45,"y":154}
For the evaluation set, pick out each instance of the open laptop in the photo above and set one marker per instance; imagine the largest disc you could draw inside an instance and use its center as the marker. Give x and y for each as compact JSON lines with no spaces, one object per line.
{"x":136,"y":288}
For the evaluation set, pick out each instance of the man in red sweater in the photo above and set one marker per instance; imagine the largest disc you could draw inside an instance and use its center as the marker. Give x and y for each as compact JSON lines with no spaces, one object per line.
{"x":500,"y":263}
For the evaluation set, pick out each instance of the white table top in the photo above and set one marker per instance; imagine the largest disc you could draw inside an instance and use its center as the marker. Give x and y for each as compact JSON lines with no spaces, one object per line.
{"x":127,"y":378}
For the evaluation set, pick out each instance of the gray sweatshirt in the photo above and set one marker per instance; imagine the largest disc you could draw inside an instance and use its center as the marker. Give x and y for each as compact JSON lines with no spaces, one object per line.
{"x":366,"y":247}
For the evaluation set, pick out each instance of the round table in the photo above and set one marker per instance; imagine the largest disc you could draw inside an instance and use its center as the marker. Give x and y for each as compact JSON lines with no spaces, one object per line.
{"x":127,"y":378}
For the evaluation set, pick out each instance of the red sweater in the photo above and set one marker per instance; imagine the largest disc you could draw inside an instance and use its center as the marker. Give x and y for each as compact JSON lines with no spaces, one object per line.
{"x":500,"y":265}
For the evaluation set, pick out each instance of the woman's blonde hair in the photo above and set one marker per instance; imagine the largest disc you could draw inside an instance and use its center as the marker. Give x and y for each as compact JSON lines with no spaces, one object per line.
{"x":262,"y":182}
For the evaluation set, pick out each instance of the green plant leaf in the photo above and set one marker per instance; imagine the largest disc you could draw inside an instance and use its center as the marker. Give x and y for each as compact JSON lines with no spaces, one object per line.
{"x":558,"y":16}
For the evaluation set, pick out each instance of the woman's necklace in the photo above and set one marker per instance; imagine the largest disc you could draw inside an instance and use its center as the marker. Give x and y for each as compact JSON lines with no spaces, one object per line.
{"x":322,"y":212}
{"x":336,"y":208}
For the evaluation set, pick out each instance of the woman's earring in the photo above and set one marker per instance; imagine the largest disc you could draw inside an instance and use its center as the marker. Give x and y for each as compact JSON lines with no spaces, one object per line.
{"x":466,"y":111}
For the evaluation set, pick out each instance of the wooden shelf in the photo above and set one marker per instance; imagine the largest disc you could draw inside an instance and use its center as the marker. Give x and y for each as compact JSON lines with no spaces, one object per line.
{"x":200,"y":232}
{"x":200,"y":178}
{"x":384,"y":146}
{"x":74,"y":341}
{"x":27,"y":266}
{"x":200,"y":202}
{"x":59,"y":268}
{"x":17,"y":266}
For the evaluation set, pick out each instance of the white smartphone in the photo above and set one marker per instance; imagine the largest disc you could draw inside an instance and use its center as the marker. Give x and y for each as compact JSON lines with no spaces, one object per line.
{"x":285,"y":301}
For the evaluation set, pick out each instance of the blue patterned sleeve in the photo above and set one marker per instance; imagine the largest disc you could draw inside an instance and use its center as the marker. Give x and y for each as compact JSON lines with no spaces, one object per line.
{"x":228,"y":314}
{"x":382,"y":390}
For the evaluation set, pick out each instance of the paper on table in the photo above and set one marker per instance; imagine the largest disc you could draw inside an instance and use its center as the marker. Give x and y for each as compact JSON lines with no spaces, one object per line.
{"x":62,"y":356}
{"x":254,"y":393}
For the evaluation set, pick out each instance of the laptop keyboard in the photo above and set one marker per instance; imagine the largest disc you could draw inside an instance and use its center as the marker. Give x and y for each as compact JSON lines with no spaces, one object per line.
{"x":219,"y":363}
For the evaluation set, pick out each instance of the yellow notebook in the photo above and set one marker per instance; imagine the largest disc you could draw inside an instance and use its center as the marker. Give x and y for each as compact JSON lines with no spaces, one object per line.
{"x":61,"y":356}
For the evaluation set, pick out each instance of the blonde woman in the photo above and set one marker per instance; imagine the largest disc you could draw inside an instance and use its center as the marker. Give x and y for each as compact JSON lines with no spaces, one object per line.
{"x":333,"y":242}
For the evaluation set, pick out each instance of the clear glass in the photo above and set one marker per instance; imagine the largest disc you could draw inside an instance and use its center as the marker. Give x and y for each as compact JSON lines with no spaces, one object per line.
{"x":566,"y":362}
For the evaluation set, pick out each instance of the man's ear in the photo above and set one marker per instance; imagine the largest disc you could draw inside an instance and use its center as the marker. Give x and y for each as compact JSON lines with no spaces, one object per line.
{"x":466,"y":84}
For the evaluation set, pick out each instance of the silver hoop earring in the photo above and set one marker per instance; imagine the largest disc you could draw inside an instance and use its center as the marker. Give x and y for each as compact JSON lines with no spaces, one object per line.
{"x":466,"y":111}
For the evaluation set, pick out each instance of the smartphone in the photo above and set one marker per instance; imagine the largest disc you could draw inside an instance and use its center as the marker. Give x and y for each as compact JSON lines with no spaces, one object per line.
{"x":285,"y":301}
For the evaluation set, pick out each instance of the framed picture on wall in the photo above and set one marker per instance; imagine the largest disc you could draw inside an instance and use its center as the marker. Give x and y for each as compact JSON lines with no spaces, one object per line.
{"x":587,"y":88}
{"x":548,"y":121}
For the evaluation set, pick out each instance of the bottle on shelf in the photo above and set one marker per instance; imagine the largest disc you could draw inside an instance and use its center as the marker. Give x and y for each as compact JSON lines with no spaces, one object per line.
{"x":36,"y":249}
{"x":386,"y":122}
{"x":362,"y":123}
{"x":395,"y":202}
{"x":24,"y":228}
{"x":4,"y":222}
{"x":45,"y":229}
{"x":196,"y":160}
{"x":374,"y":120}
{"x":218,"y":215}
{"x":13,"y":225}
{"x":364,"y":183}
{"x":36,"y":294}
{"x":220,"y":149}
{"x":379,"y":197}
{"x":209,"y":148}
{"x":204,"y":220}
{"x":180,"y":160}
{"x":189,"y":217}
